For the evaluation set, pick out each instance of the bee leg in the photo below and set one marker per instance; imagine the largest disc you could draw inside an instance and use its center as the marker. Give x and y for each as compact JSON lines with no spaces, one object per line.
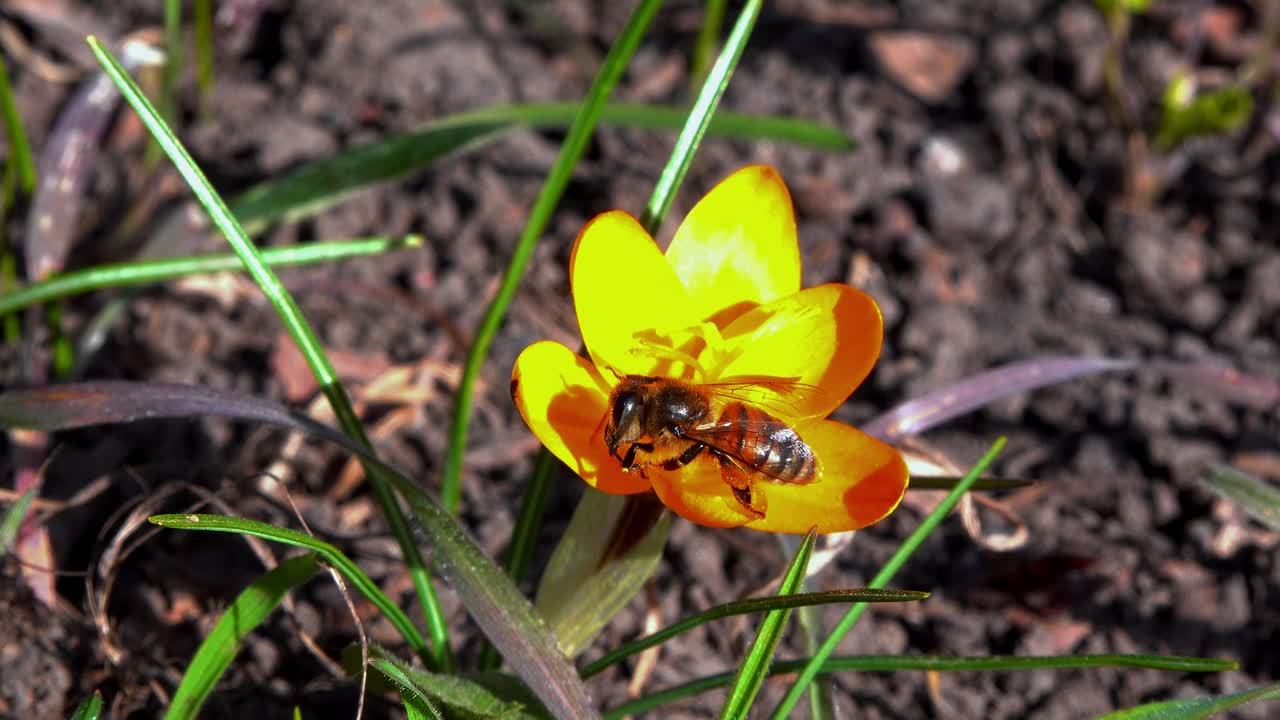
{"x":630,"y":459}
{"x":685,"y":458}
{"x":743,"y":485}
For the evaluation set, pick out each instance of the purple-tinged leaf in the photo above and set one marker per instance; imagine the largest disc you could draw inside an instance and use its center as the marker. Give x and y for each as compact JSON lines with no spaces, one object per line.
{"x":504,"y":614}
{"x":1225,"y":382}
{"x":952,"y":401}
{"x":66,"y":163}
{"x":105,"y":402}
{"x":947,"y":403}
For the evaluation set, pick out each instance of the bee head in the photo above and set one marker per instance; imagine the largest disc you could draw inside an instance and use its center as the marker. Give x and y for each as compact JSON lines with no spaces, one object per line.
{"x":625,"y":421}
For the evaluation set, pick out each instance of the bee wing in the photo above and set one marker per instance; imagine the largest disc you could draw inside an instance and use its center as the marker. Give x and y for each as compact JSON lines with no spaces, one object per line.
{"x":776,"y":395}
{"x":726,"y":434}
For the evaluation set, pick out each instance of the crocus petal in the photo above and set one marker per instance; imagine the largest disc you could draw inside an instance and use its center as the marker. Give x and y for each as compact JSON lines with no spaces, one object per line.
{"x":563,"y":400}
{"x":860,"y":481}
{"x":624,"y":292}
{"x":737,"y":247}
{"x":697,"y":492}
{"x":826,"y":336}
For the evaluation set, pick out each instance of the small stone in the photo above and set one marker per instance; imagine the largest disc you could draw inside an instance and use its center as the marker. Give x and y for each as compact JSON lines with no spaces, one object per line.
{"x":929,"y":66}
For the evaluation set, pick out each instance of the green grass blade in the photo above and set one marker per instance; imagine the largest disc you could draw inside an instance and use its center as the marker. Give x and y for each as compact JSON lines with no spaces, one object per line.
{"x":465,"y":696}
{"x":203,"y":22}
{"x":308,"y":344}
{"x":755,"y":668}
{"x":322,"y":183}
{"x":12,"y":329}
{"x":821,"y":703}
{"x":747,"y":607}
{"x":882,"y":578}
{"x":170,"y":74}
{"x":249,"y":609}
{"x":19,"y":147}
{"x":900,"y":663}
{"x":142,"y":272}
{"x":1195,"y":708}
{"x":704,"y":46}
{"x":417,"y":704}
{"x":700,"y":116}
{"x":331,"y":554}
{"x":1259,"y":499}
{"x":615,"y":63}
{"x":13,"y":518}
{"x":90,"y":709}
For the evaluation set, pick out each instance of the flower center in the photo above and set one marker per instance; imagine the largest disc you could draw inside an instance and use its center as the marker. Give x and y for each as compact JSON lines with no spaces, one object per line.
{"x":694,"y":354}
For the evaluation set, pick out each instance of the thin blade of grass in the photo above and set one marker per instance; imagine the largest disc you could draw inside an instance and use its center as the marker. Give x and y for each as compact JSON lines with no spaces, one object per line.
{"x":308,"y":344}
{"x":504,"y":614}
{"x":584,"y":124}
{"x":755,"y":667}
{"x":13,"y":518}
{"x":245,"y":613}
{"x":323,"y":183}
{"x":592,"y":576}
{"x":417,"y":704}
{"x":202,"y":10}
{"x":1259,"y":499}
{"x":747,"y":607}
{"x":467,"y":695}
{"x":90,"y":709}
{"x":704,"y":107}
{"x":141,"y":272}
{"x":900,"y":663}
{"x":704,"y":47}
{"x":882,"y":578}
{"x":332,"y":555}
{"x":19,"y":147}
{"x":174,"y":56}
{"x":11,"y":328}
{"x":1195,"y":708}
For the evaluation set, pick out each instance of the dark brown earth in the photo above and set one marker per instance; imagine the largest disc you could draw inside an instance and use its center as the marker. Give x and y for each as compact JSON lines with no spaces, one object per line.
{"x":1055,"y":235}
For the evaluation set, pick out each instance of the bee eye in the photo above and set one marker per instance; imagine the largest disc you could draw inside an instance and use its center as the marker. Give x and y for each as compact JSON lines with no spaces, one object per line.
{"x":624,"y":407}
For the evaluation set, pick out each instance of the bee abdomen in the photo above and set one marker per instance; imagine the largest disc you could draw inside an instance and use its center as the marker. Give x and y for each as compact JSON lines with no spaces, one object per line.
{"x":773,"y":448}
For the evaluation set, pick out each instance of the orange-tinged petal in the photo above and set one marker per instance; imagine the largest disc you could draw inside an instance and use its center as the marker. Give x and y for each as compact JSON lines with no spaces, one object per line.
{"x":860,"y":481}
{"x":697,"y":492}
{"x":737,"y":247}
{"x":625,"y":291}
{"x":563,"y":400}
{"x":826,"y":336}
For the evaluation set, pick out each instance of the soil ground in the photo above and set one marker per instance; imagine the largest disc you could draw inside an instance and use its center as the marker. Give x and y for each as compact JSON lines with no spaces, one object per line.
{"x":998,"y":207}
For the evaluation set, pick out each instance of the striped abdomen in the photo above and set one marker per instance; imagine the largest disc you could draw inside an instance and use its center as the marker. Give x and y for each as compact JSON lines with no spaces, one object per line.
{"x":760,"y":442}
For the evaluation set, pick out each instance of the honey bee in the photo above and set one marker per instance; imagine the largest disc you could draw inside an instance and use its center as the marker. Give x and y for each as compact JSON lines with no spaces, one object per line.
{"x":668,"y":423}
